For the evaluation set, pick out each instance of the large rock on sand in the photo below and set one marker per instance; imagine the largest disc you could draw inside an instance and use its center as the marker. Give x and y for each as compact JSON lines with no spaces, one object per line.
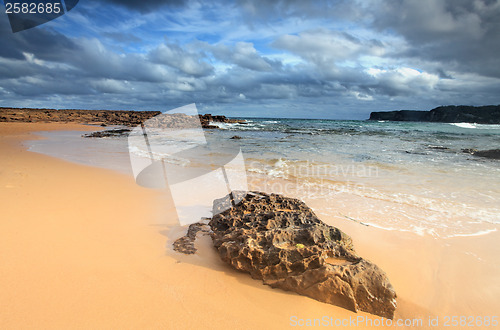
{"x":281,"y":241}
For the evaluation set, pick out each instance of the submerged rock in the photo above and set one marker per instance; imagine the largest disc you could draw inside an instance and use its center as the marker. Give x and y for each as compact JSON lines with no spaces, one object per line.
{"x":280,"y":241}
{"x":491,"y":154}
{"x":438,"y":147}
{"x":108,"y":133}
{"x":469,"y":151}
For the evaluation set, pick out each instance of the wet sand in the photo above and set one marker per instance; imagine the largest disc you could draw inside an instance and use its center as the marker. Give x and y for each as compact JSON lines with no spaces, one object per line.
{"x":82,"y":247}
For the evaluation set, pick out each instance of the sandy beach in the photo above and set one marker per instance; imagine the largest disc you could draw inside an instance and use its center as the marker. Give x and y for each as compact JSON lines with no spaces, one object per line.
{"x":84,"y":247}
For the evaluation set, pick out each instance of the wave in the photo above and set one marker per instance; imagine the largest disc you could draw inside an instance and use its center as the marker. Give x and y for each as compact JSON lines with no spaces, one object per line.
{"x":227,"y":126}
{"x":475,"y":125}
{"x":464,"y":125}
{"x":479,"y":233}
{"x":411,"y":212}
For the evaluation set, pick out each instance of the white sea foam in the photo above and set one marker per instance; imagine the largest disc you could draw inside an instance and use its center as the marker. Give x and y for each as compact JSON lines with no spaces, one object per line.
{"x":479,"y":233}
{"x":221,"y":125}
{"x":379,"y":226}
{"x":488,"y":126}
{"x":229,"y":126}
{"x":477,"y":126}
{"x":464,"y":125}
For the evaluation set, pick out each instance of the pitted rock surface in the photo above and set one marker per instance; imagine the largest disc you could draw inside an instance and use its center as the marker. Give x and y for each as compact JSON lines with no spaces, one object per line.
{"x":280,"y":241}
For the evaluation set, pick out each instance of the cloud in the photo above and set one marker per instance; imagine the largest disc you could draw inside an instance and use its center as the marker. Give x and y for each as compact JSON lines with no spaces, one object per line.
{"x":427,"y":20}
{"x":47,"y":44}
{"x":111,"y":86}
{"x":147,"y":6}
{"x":94,"y":59}
{"x":270,"y":11}
{"x":401,"y":81}
{"x":173,"y":55}
{"x":460,"y":34}
{"x":122,"y":37}
{"x":242,"y":54}
{"x":329,"y":51}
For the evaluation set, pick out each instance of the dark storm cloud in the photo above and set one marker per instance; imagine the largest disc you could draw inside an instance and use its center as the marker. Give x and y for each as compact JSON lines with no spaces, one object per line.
{"x":52,"y":53}
{"x":461,"y":34}
{"x":46,"y":43}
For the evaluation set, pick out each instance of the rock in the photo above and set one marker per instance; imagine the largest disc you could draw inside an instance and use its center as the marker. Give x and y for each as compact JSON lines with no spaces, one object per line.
{"x":236,"y":137}
{"x":491,"y":154}
{"x":207,"y":119}
{"x":210,"y":126}
{"x":108,"y":133}
{"x":469,"y":151}
{"x":185,"y":244}
{"x":281,"y":241}
{"x":438,"y":147}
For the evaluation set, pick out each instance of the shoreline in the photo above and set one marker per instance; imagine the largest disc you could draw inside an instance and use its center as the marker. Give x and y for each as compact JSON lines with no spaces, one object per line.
{"x":93,"y":249}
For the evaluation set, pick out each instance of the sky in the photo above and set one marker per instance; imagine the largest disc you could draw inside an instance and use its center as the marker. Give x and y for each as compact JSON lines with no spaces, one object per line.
{"x":297,"y":59}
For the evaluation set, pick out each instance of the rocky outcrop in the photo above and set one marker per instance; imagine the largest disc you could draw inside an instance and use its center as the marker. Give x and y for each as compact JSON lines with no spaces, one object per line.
{"x":489,"y":114}
{"x":281,"y":241}
{"x":98,"y":117}
{"x":491,"y":154}
{"x":207,"y":120}
{"x":106,"y":117}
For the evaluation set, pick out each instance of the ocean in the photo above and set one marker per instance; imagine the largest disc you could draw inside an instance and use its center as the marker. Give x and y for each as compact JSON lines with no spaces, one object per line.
{"x":402,"y":176}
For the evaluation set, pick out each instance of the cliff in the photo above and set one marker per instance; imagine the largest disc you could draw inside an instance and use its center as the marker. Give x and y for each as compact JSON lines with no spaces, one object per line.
{"x":489,"y":114}
{"x":401,"y":115}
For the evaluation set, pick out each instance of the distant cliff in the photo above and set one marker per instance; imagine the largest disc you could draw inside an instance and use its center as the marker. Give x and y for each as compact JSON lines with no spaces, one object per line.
{"x":489,"y":114}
